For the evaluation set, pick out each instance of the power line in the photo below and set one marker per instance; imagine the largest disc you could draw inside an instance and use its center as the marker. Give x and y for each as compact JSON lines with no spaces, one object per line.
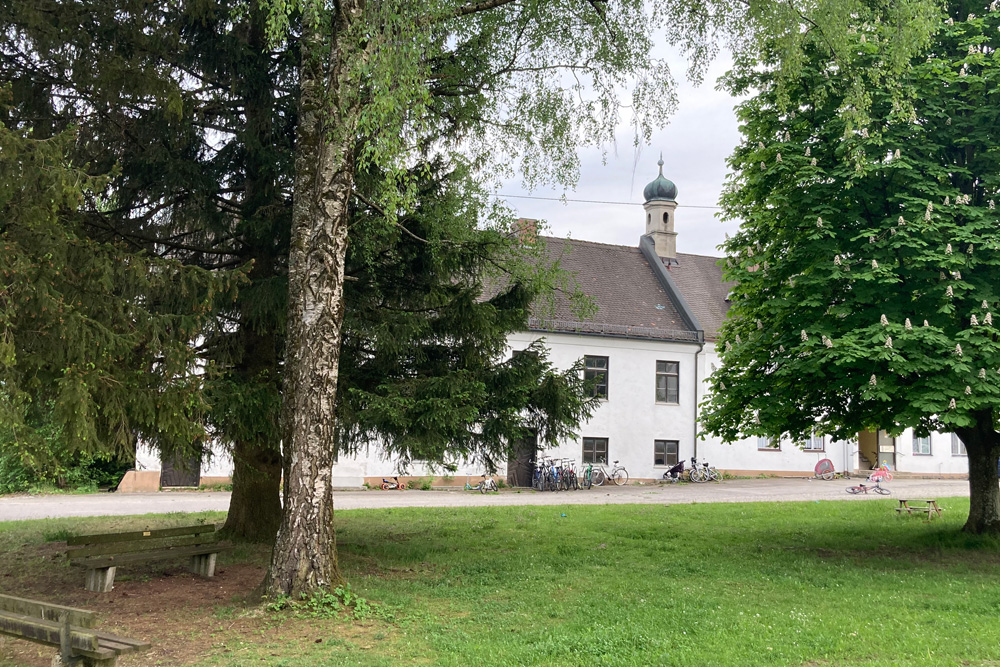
{"x":590,"y":201}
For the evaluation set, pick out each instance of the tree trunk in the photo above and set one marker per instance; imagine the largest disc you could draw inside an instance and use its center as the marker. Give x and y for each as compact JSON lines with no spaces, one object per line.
{"x":982,"y":444}
{"x":304,"y":557}
{"x":255,"y":506}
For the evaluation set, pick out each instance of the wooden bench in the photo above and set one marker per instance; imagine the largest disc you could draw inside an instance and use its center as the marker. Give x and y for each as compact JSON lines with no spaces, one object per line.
{"x":928,"y":506}
{"x":69,"y":629}
{"x":102,"y":554}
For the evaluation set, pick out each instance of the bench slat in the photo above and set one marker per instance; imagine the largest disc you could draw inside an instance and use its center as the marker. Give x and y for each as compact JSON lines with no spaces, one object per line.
{"x":47,"y":632}
{"x":50,"y":612}
{"x":107,"y":538}
{"x":134,"y":644}
{"x":147,"y":544}
{"x":180,"y":552}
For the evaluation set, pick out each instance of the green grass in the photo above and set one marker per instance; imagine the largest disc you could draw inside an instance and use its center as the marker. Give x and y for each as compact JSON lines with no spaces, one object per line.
{"x":818,"y":583}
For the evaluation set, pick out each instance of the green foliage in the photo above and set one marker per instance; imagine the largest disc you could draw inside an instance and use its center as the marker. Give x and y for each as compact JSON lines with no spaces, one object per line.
{"x":329,"y":604}
{"x":866,"y":265}
{"x":95,"y":339}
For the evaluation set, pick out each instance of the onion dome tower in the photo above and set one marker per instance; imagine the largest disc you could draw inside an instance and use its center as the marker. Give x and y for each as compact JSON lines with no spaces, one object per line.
{"x":660,"y":204}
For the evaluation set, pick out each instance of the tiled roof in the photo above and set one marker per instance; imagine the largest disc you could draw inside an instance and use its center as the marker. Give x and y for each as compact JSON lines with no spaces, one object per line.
{"x":630,"y":300}
{"x":699,"y":279}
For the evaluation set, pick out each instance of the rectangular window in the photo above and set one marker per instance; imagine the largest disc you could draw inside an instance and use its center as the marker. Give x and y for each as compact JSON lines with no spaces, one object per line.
{"x":815,"y":443}
{"x":921,"y":446}
{"x":768,"y":443}
{"x":596,"y":369}
{"x":957,"y":446}
{"x":667,"y":382}
{"x":665,"y":452}
{"x":595,"y":450}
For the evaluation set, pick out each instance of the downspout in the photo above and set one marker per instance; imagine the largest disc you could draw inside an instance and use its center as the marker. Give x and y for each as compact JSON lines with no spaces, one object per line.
{"x":695,"y":429}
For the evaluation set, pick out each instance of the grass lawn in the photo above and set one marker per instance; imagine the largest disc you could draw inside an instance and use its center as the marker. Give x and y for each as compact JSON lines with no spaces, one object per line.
{"x":817,"y":583}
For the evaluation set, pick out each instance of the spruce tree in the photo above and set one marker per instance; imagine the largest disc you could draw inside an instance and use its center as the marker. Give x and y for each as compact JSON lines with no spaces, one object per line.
{"x":94,"y":337}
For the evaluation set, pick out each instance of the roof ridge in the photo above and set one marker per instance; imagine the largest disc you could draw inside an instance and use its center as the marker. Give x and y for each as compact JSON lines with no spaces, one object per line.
{"x":593,"y":243}
{"x":695,"y":254}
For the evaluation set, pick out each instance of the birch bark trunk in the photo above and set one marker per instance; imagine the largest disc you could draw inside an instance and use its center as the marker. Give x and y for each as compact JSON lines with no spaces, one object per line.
{"x":305,"y":557}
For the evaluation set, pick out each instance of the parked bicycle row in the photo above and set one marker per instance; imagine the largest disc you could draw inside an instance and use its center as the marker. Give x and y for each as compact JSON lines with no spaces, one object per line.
{"x":554,"y":474}
{"x":699,"y":472}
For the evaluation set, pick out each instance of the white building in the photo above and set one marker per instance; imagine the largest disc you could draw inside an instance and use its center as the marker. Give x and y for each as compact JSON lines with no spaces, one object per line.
{"x":652,"y":341}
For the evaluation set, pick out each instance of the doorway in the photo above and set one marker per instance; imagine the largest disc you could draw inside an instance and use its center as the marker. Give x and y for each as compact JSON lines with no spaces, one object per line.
{"x":521,"y":465}
{"x":886,"y":450}
{"x":867,"y":450}
{"x":179,"y":470}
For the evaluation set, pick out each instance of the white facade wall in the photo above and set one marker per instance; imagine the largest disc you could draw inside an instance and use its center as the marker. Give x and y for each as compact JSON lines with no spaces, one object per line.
{"x":630,"y":418}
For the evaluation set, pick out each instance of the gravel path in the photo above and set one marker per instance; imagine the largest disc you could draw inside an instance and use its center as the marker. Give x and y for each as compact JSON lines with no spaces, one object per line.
{"x":731,"y":491}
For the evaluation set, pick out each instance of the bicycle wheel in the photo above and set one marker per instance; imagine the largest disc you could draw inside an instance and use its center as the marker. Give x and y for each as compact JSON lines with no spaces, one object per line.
{"x":385,"y":487}
{"x":883,"y":491}
{"x":854,"y":490}
{"x":599,"y":477}
{"x":698,"y":476}
{"x":620,"y":477}
{"x":714,"y":475}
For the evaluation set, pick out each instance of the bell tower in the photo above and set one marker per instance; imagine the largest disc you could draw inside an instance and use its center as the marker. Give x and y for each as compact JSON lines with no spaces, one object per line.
{"x":660,"y":206}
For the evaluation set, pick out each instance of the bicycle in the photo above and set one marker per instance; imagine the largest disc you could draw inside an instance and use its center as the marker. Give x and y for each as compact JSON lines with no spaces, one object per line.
{"x":486,"y":485}
{"x":864,"y":488}
{"x":881,"y":473}
{"x":393,"y":485}
{"x":701,"y":473}
{"x":618,"y":474}
{"x":568,"y":478}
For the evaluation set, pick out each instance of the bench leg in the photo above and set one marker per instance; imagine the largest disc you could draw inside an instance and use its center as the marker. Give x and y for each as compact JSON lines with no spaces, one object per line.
{"x":203,"y":565}
{"x":83,"y":661}
{"x":101,"y":580}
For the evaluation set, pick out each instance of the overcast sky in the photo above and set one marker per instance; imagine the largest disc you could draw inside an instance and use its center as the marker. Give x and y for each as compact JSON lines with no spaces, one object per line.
{"x":695,"y":146}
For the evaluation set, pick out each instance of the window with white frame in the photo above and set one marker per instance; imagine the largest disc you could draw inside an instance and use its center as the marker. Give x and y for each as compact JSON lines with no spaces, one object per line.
{"x":957,"y":446}
{"x":665,"y":452}
{"x":667,"y":382}
{"x":595,"y":450}
{"x":921,"y":446}
{"x":596,"y":369}
{"x":815,"y":443}
{"x":768,"y":443}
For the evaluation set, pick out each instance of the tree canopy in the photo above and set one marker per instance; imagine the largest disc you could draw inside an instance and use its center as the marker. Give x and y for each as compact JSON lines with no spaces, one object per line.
{"x":866,"y":267}
{"x":95,"y":339}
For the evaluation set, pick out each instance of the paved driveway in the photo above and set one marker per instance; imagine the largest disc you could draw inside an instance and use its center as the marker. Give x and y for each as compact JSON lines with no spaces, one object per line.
{"x":741,"y":490}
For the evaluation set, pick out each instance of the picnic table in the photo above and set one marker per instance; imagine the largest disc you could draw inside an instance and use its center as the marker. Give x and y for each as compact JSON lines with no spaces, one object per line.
{"x":928,"y":506}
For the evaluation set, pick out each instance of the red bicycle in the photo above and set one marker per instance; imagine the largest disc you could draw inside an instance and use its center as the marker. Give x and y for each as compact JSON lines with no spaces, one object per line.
{"x":866,"y":488}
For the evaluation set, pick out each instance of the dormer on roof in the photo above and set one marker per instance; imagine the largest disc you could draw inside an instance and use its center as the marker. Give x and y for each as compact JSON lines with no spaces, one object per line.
{"x":660,"y":205}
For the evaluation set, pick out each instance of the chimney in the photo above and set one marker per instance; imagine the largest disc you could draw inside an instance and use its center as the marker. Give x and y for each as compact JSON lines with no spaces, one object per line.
{"x":526,"y":230}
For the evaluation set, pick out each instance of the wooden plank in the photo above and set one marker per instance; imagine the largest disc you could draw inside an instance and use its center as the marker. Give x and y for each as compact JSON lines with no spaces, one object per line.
{"x":132,"y":644}
{"x":144,"y":556}
{"x":45,"y":632}
{"x":148,"y":544}
{"x":106,"y":538}
{"x":44,"y":610}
